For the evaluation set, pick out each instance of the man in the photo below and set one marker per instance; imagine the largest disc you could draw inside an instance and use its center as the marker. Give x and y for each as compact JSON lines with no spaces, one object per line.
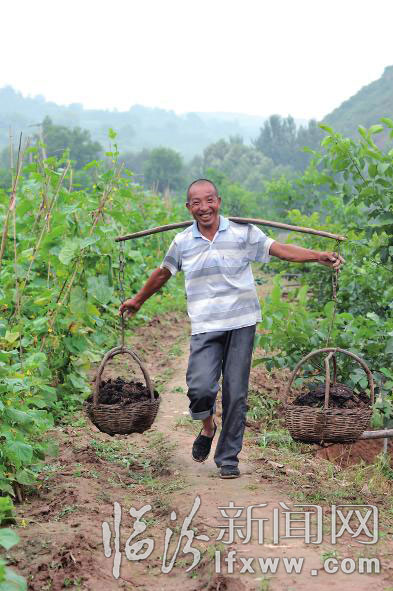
{"x":215,"y":255}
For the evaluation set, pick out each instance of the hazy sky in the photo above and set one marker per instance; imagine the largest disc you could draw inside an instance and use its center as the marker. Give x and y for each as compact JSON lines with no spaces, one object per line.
{"x":298,"y":57}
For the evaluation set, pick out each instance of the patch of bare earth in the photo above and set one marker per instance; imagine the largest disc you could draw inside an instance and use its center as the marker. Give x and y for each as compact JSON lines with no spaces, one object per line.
{"x":62,"y":544}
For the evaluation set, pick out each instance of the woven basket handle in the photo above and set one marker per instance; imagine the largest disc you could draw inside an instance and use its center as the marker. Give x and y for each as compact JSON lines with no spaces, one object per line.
{"x":112,"y":353}
{"x":331,"y":353}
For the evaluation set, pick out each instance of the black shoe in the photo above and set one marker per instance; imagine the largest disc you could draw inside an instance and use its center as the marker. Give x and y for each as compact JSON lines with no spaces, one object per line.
{"x":202,"y":445}
{"x":229,"y":472}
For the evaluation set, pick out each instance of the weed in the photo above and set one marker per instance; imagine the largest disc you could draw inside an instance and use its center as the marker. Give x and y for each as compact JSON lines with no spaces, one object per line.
{"x":264,"y":584}
{"x":216,"y":547}
{"x":76,"y":583}
{"x":187,"y":422}
{"x":279,"y":438}
{"x":66,"y":511}
{"x":178,"y":389}
{"x":262,"y":408}
{"x":118,"y":452}
{"x":74,"y":420}
{"x":329,"y":554}
{"x":103,"y":496}
{"x":160,"y":453}
{"x":383,"y":466}
{"x":175,"y":350}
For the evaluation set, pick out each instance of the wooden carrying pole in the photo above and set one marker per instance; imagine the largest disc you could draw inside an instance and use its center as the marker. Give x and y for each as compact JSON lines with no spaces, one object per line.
{"x":237,"y":220}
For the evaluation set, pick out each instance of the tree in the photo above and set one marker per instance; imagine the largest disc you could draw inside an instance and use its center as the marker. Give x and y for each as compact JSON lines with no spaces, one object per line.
{"x":135,"y":162}
{"x":280,"y":140}
{"x":164,"y":170}
{"x":240,"y":163}
{"x":58,"y":138}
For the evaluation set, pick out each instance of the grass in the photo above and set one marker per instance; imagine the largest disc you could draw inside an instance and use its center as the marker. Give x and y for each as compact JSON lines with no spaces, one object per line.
{"x":188,"y":423}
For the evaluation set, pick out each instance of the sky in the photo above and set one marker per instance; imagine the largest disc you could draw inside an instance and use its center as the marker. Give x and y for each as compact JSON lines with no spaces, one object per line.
{"x":298,"y":57}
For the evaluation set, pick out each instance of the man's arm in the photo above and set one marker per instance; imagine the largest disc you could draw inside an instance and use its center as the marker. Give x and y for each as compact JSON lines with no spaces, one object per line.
{"x":153,"y":284}
{"x":297,"y":254}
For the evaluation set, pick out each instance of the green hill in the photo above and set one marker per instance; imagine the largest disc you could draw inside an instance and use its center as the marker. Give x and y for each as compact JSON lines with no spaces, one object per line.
{"x":366,"y":107}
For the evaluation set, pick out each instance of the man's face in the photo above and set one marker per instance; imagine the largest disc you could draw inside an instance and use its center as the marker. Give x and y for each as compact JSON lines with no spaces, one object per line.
{"x":204,"y":205}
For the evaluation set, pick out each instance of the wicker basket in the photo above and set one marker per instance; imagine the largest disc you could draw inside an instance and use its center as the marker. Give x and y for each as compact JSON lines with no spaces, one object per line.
{"x":328,"y":425}
{"x":119,"y":418}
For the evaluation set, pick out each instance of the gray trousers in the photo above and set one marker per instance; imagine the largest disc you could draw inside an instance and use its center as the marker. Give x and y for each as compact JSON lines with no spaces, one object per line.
{"x":212,"y":353}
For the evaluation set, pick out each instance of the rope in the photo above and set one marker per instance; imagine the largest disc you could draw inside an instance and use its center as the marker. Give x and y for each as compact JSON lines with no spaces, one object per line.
{"x":334,"y":298}
{"x":122,"y":264}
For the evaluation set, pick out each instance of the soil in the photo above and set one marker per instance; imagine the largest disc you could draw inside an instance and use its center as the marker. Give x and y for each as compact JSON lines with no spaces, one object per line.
{"x":60,"y":525}
{"x":120,"y":391}
{"x":340,"y":396}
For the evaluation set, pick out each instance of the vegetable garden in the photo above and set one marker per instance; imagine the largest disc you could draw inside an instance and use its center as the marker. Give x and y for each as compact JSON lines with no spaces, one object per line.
{"x":59,"y":277}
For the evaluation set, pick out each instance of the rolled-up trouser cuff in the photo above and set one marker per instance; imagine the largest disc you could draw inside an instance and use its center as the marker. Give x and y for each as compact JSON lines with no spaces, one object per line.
{"x":203,"y":414}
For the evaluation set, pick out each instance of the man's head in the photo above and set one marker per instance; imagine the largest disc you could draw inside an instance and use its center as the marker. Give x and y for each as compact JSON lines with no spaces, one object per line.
{"x":203,"y":202}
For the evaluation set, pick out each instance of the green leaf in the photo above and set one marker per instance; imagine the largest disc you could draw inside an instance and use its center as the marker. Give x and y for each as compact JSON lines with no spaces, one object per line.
{"x":328,"y":309}
{"x":18,"y":452}
{"x":6,"y":487}
{"x":13,"y":582}
{"x":383,"y":167}
{"x":99,"y":289}
{"x":19,"y":417}
{"x":8,"y":538}
{"x":375,"y":129}
{"x":68,"y":251}
{"x":387,"y":121}
{"x":77,"y":381}
{"x":326,"y":128}
{"x":389,"y":346}
{"x":88,"y":241}
{"x":25,"y":477}
{"x":77,"y":301}
{"x":11,"y":337}
{"x":362,"y":131}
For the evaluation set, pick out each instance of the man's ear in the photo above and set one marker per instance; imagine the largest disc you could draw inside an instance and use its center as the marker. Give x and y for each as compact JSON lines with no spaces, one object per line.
{"x":188,"y":205}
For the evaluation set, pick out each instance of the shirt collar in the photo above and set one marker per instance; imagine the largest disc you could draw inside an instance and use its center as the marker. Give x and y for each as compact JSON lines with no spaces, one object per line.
{"x":223,"y":225}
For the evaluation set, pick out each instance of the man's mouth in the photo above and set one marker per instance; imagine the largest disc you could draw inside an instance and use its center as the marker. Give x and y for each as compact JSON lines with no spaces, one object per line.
{"x":205,"y":216}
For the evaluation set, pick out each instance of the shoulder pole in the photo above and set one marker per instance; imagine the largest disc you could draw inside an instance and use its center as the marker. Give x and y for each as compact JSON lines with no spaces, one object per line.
{"x":256,"y":221}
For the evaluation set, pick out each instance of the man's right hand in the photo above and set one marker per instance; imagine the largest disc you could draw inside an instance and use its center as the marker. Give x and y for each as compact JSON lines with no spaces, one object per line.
{"x":129,"y":307}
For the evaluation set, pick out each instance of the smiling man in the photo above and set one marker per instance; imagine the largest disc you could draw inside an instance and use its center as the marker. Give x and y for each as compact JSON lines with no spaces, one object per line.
{"x":215,"y":255}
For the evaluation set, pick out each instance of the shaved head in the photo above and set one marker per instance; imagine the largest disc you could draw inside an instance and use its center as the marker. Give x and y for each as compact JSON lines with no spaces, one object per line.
{"x":201,"y":182}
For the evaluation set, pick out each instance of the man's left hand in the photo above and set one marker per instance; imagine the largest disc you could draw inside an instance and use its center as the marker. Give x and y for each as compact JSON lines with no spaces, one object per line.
{"x":331,"y":259}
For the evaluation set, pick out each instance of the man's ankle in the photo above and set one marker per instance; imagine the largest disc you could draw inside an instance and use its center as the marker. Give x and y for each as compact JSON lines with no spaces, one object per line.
{"x":208,"y":427}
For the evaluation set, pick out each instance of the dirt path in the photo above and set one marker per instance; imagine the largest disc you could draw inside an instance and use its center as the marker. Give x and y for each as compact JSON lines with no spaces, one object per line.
{"x":63,"y":545}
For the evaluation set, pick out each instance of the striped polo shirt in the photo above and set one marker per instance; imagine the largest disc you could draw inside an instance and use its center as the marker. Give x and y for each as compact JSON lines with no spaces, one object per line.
{"x":220,"y":288}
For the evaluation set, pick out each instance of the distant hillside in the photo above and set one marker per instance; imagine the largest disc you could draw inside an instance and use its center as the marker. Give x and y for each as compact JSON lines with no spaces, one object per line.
{"x":140,"y":127}
{"x":366,"y":107}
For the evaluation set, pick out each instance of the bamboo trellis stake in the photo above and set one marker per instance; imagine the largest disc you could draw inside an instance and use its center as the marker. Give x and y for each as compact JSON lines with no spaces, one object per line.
{"x":279,"y":225}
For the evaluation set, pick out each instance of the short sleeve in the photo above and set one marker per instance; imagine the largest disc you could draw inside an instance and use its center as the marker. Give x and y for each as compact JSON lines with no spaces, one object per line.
{"x":172,"y":258}
{"x":258,"y":245}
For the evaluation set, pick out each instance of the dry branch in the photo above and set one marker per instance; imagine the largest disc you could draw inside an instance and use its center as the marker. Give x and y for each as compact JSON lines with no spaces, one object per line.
{"x":12,"y":201}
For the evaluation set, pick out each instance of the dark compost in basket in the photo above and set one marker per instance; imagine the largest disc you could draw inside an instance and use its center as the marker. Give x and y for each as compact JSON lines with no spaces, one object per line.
{"x":118,"y":406}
